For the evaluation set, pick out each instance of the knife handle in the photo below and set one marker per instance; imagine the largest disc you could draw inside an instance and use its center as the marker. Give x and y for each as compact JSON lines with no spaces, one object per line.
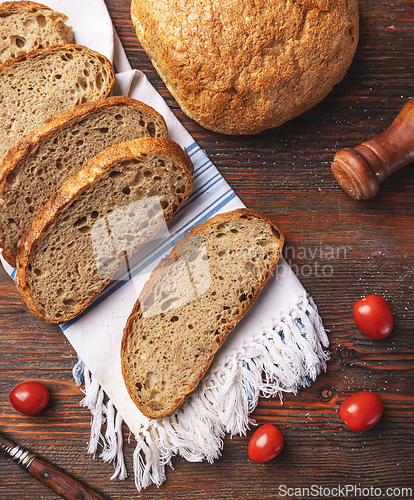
{"x":59,"y":482}
{"x":53,"y":478}
{"x":361,"y":170}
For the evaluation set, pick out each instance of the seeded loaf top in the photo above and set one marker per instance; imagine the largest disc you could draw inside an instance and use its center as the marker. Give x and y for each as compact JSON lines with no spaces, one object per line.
{"x":28,"y":26}
{"x":191,"y":302}
{"x":242,"y":67}
{"x":43,"y":160}
{"x":41,"y":84}
{"x":93,"y":224}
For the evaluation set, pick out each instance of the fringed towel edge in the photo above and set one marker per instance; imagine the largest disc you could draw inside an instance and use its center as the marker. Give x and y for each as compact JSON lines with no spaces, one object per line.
{"x":284,"y":357}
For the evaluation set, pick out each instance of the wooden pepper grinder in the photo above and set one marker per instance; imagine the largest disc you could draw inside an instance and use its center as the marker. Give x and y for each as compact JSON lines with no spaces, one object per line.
{"x":361,"y":170}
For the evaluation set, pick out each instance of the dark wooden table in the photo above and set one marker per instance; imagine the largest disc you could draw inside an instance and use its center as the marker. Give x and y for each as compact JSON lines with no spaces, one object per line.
{"x":367,"y":247}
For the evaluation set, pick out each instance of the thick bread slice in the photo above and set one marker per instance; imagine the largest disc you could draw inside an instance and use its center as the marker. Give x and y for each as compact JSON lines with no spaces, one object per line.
{"x":40,"y":163}
{"x":46,"y":82}
{"x":191,"y":302}
{"x":243,"y":67}
{"x":27,"y":26}
{"x":98,"y":217}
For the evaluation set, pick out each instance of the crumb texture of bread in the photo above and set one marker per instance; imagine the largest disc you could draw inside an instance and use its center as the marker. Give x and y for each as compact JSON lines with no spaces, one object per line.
{"x":191,"y":302}
{"x":47,"y":157}
{"x":44,"y":83}
{"x":243,"y":67}
{"x":28,"y":26}
{"x":98,"y":218}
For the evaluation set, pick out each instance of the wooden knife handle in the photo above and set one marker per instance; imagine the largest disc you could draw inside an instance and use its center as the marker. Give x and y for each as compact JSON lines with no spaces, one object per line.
{"x":361,"y":170}
{"x":53,"y":478}
{"x":61,"y":483}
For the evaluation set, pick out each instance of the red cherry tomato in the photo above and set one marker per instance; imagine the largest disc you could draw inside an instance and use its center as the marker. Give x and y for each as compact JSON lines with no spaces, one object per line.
{"x":373,"y":316}
{"x":361,"y":411}
{"x":29,"y":398}
{"x":265,"y":444}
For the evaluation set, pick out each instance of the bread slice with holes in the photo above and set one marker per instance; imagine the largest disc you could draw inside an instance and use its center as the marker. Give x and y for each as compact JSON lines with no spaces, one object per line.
{"x":191,"y":302}
{"x":46,"y":82}
{"x":97,"y":220}
{"x":28,"y":26}
{"x":39,"y":164}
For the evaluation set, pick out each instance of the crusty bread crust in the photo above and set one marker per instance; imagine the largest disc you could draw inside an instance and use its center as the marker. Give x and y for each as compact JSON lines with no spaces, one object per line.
{"x":16,"y":6}
{"x":61,"y":47}
{"x":28,"y":26}
{"x":7,"y":7}
{"x":243,"y":67}
{"x":169,"y":260}
{"x":70,"y":191}
{"x":24,"y":148}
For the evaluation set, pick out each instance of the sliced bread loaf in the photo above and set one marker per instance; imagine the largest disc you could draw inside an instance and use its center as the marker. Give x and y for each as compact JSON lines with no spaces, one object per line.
{"x":46,"y":82}
{"x":40,"y":163}
{"x":27,"y":26}
{"x":97,"y":219}
{"x":191,"y":302}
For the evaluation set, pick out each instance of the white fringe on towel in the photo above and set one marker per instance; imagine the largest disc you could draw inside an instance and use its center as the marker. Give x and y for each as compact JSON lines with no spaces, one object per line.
{"x":279,"y":359}
{"x":102,"y":413}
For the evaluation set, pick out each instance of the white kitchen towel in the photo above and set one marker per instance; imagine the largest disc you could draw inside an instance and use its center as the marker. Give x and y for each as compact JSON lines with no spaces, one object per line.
{"x":279,"y":345}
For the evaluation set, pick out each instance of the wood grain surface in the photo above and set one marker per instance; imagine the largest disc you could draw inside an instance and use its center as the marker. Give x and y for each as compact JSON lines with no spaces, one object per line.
{"x":340,"y":248}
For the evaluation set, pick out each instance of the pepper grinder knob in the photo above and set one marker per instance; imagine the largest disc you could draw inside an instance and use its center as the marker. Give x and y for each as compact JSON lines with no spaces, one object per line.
{"x":361,"y":170}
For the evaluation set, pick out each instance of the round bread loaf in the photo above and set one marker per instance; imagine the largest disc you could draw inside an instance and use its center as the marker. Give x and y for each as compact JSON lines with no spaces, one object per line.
{"x":243,"y":67}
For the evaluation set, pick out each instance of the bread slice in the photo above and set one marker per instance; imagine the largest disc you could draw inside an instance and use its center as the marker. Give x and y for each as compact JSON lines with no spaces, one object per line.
{"x":191,"y":302}
{"x":46,"y":82}
{"x":28,"y":26}
{"x":40,"y":163}
{"x":243,"y":67}
{"x":95,"y":220}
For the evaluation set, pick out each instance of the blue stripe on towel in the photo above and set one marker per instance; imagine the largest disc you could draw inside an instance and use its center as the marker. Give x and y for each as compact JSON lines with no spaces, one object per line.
{"x":202,"y":169}
{"x":199,"y":191}
{"x":192,"y":146}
